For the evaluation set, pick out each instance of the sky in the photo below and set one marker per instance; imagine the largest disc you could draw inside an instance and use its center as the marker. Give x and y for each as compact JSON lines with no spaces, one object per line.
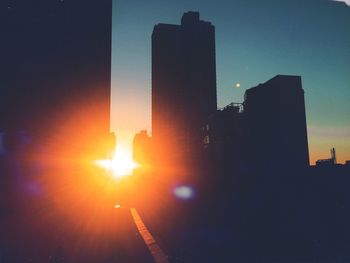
{"x":255,"y":40}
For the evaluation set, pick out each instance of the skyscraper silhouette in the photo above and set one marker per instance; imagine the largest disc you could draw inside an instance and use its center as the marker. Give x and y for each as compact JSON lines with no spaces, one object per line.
{"x":265,"y":134}
{"x":183,"y":81}
{"x":276,"y":122}
{"x":55,"y":70}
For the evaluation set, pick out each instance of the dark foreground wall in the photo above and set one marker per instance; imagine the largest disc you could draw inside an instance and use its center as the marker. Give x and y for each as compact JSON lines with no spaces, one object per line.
{"x":257,"y":218}
{"x":55,"y":70}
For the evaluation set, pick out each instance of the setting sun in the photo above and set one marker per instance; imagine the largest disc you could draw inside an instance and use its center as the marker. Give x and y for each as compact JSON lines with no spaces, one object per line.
{"x":121,"y":164}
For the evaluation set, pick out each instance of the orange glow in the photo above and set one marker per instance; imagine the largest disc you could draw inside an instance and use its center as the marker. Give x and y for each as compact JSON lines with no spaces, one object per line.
{"x":320,"y":143}
{"x":121,"y":164}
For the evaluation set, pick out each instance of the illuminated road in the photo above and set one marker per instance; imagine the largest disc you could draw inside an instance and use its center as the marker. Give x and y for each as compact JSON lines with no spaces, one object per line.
{"x":119,"y":242}
{"x":157,"y":253}
{"x":66,"y":220}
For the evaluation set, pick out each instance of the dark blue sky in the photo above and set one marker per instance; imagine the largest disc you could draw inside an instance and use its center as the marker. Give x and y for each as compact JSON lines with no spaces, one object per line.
{"x":255,"y":40}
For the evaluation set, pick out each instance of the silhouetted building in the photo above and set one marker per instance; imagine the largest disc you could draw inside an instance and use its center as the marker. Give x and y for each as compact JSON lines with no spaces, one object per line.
{"x":265,"y":133}
{"x":276,"y":122}
{"x":330,"y":167}
{"x":183,"y":81}
{"x":55,"y":71}
{"x":224,"y":138}
{"x":328,"y":162}
{"x":142,"y":148}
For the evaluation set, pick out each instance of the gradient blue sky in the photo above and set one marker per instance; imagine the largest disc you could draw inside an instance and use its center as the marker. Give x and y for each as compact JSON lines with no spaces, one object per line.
{"x":255,"y":40}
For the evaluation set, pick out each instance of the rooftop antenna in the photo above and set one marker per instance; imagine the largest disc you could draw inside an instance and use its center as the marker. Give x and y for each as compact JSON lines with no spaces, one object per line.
{"x":333,"y":156}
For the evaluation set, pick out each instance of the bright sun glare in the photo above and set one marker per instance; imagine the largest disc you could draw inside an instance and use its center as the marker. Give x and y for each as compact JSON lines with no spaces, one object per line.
{"x":121,"y":164}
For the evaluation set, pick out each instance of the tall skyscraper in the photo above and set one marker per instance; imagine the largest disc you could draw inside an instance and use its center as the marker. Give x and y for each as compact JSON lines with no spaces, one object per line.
{"x":183,"y":81}
{"x":276,"y":123}
{"x":55,"y":71}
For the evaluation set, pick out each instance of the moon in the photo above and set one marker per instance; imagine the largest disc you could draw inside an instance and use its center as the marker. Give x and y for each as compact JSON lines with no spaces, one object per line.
{"x":238,"y":85}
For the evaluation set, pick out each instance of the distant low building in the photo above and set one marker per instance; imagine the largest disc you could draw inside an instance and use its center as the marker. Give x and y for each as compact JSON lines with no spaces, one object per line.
{"x":328,"y":162}
{"x":142,"y":148}
{"x":330,"y":166}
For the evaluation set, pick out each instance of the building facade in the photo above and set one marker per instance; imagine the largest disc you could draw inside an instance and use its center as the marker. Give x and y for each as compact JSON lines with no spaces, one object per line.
{"x":266,"y":133}
{"x":276,"y":121}
{"x":183,"y":81}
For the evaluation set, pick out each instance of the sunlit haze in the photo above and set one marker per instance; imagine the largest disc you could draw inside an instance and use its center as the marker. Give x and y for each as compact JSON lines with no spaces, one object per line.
{"x":121,"y":164}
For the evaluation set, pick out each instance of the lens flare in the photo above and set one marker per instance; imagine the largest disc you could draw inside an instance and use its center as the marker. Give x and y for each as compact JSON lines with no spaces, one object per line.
{"x":184,"y":192}
{"x":121,"y":164}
